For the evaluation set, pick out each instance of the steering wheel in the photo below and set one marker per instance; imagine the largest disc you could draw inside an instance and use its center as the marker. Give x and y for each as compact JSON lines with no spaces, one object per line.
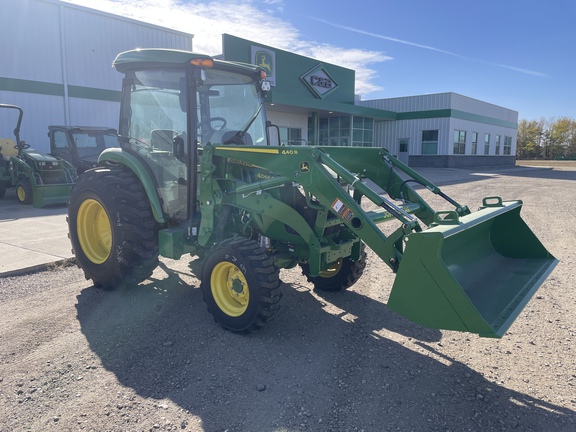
{"x":22,"y":145}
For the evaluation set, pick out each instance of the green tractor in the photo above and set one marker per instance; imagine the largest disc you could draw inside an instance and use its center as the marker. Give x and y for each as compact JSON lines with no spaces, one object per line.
{"x":40,"y":179}
{"x":81,"y":145}
{"x":195,"y":176}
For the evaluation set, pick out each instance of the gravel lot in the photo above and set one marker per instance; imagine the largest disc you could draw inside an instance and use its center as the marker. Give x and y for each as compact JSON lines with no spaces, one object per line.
{"x":150,"y":358}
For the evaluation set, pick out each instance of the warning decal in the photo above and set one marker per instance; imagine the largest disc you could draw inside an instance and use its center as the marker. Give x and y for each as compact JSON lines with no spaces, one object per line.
{"x":344,"y":212}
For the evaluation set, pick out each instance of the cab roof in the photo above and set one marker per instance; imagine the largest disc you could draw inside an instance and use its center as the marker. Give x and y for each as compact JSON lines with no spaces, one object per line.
{"x":152,"y":57}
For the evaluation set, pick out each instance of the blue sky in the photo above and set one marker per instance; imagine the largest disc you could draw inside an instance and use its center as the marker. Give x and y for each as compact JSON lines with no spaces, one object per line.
{"x":520,"y":54}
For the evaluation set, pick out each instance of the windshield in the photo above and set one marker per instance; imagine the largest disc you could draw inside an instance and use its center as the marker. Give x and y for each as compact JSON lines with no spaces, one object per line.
{"x":93,"y":143}
{"x":225,"y":109}
{"x":228,"y":106}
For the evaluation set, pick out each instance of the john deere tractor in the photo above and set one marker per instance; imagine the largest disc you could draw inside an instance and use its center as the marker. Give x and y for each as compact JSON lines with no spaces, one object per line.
{"x":40,"y":179}
{"x":195,"y":176}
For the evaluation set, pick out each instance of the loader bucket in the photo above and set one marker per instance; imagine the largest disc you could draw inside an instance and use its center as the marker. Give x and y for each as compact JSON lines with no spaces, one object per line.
{"x":50,"y":194}
{"x":473,"y":274}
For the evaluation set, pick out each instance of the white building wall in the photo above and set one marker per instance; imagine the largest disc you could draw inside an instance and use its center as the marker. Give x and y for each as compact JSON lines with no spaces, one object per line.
{"x":482,"y":129}
{"x":61,"y":57}
{"x":388,"y":133}
{"x":470,"y":105}
{"x":484,"y":118}
{"x":411,"y":103}
{"x":290,"y":120}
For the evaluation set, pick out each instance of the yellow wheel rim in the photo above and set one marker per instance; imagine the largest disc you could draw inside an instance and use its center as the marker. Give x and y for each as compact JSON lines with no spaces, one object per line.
{"x":94,"y":231}
{"x":332,"y":270}
{"x":229,"y":289}
{"x":21,"y":192}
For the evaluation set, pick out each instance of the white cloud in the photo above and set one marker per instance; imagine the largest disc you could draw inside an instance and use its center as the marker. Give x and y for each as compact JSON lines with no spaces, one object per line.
{"x":249,"y":19}
{"x":427,"y":47}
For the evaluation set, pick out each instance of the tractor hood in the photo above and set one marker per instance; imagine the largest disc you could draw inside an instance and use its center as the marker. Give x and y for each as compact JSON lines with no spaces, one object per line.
{"x":39,"y":157}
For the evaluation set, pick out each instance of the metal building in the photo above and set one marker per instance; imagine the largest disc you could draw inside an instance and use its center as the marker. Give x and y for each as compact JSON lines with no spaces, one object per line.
{"x":313,"y":102}
{"x":56,"y":63}
{"x":447,"y":130}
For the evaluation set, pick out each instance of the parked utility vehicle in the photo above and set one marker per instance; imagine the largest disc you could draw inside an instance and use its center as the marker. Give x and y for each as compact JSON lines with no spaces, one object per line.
{"x":81,"y":145}
{"x":195,"y":176}
{"x":40,"y":179}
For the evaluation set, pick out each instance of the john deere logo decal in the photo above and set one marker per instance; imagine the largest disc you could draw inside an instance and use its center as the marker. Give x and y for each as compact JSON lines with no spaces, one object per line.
{"x":265,"y":61}
{"x":319,"y":81}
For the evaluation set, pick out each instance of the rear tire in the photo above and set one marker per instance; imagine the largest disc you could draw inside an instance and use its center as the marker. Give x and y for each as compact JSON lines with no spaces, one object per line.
{"x":112,"y":230}
{"x":341,"y":275}
{"x":241,"y":285}
{"x":24,"y":191}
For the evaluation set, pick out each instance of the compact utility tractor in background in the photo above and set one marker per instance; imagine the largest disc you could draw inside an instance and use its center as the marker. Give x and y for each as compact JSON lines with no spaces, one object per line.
{"x":195,"y":176}
{"x":81,"y":145}
{"x":40,"y":179}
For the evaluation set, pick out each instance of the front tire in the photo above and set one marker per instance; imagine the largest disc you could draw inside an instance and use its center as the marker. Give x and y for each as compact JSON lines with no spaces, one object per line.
{"x":341,"y":275}
{"x":241,"y":285}
{"x":112,"y":229}
{"x":24,"y":191}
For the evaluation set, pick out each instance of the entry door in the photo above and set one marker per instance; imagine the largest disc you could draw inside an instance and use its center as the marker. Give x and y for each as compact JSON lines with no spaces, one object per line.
{"x":403,"y":147}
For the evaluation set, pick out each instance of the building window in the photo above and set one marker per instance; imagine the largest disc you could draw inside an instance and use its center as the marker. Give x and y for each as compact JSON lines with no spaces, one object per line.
{"x":362,"y":131}
{"x":497,"y":145}
{"x":339,"y":134}
{"x":507,"y":146}
{"x":291,"y":136}
{"x":459,"y":142}
{"x":323,"y":131}
{"x":332,"y":131}
{"x":430,"y":142}
{"x":403,"y":145}
{"x":474,"y":143}
{"x":486,"y":144}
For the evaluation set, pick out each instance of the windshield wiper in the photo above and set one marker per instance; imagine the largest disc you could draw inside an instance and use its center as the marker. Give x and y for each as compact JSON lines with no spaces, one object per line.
{"x":238,"y":137}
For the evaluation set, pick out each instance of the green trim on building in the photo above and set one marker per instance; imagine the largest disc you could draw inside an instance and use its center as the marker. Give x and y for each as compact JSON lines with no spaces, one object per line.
{"x":54,"y":89}
{"x":421,"y":115}
{"x":275,"y":97}
{"x":483,"y":119}
{"x":94,"y":93}
{"x":447,"y":113}
{"x":28,"y":86}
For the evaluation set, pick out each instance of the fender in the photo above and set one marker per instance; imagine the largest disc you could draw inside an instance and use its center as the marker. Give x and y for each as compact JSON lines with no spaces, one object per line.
{"x":116,"y":156}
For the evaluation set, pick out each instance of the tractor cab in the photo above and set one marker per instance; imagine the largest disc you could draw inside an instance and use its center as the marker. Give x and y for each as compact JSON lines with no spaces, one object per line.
{"x":171,"y":111}
{"x":81,"y":145}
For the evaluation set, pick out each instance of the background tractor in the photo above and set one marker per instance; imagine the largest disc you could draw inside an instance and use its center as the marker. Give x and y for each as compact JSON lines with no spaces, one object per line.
{"x":195,"y":176}
{"x":40,"y":179}
{"x":81,"y":145}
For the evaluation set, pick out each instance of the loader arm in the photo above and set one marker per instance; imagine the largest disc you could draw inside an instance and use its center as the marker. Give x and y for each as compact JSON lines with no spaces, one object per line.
{"x":324,"y":180}
{"x":456,"y":270}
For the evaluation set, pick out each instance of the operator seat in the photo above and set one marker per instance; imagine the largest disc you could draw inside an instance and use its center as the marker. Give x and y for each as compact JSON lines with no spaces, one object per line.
{"x":8,"y":148}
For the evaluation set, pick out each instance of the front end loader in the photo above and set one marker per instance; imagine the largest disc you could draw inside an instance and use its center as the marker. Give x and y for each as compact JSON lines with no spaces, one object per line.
{"x":195,"y":176}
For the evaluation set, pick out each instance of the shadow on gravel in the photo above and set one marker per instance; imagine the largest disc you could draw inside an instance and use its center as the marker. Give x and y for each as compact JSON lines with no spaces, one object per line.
{"x":542,"y":174}
{"x":460,"y":176}
{"x":320,"y":366}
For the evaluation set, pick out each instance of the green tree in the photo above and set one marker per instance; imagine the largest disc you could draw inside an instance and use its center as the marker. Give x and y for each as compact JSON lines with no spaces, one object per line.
{"x":530,"y":139}
{"x":562,"y":133}
{"x":547,"y":138}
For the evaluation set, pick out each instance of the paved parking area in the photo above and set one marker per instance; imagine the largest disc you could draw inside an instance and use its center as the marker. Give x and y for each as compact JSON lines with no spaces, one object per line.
{"x":31,"y":237}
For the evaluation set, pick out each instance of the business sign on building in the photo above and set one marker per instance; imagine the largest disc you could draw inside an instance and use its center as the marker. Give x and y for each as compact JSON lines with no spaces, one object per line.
{"x":319,"y":81}
{"x":266,"y":59}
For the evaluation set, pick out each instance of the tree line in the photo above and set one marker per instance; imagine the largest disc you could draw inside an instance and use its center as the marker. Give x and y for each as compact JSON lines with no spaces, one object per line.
{"x":547,"y":139}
